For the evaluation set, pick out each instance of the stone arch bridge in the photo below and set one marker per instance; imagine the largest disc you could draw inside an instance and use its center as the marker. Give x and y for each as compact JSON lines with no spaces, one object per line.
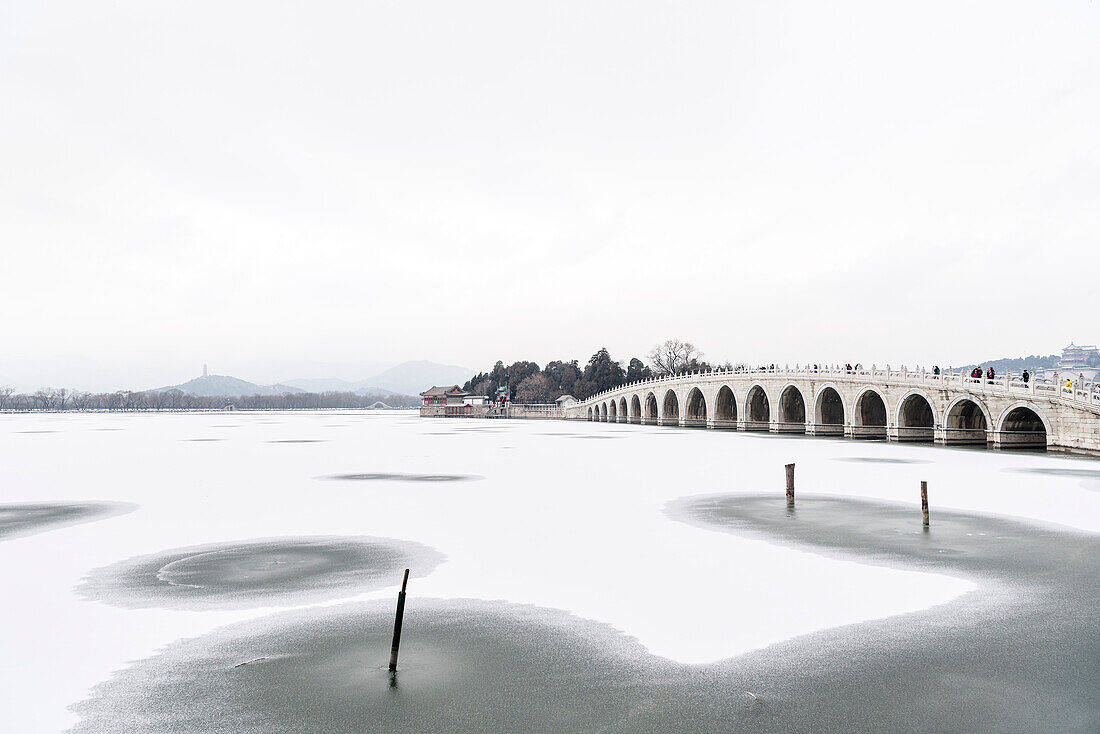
{"x":896,"y":405}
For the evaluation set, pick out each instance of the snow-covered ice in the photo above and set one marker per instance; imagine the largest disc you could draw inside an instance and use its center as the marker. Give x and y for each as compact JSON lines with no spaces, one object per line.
{"x":542,"y":517}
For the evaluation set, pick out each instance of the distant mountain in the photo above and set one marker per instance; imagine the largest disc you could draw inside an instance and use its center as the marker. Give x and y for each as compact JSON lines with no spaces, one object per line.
{"x":407,"y":378}
{"x":218,"y":385}
{"x":413,"y":378}
{"x":325,"y":384}
{"x":1019,"y":364}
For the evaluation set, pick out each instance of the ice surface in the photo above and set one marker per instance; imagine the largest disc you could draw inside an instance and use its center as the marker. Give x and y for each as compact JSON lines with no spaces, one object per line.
{"x":575,"y":525}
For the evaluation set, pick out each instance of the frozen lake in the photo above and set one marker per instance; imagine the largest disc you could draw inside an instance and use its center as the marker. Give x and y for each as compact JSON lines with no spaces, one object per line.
{"x":175,"y":541}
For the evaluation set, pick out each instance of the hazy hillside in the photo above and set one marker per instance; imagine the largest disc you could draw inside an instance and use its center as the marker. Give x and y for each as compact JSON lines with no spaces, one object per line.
{"x":215,"y":385}
{"x":1019,"y":364}
{"x":325,"y":384}
{"x":413,"y":378}
{"x":407,"y":378}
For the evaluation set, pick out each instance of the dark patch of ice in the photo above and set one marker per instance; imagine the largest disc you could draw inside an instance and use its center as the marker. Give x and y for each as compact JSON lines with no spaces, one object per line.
{"x":1093,"y":474}
{"x":472,"y":666}
{"x":263,"y":572}
{"x":38,"y":517}
{"x":383,"y":476}
{"x":879,"y":460}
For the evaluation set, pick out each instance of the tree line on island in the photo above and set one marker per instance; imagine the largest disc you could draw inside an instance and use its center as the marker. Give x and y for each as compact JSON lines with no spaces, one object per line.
{"x":62,"y":399}
{"x":529,"y":383}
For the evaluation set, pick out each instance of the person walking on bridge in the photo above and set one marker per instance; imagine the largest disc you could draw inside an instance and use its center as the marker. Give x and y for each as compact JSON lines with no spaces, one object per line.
{"x":1027,"y":376}
{"x":990,"y":374}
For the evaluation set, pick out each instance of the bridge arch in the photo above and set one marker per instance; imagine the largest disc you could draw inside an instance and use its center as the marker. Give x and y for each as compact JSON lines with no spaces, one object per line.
{"x":829,"y":411}
{"x":916,"y":418}
{"x":670,"y":409}
{"x":792,"y":409}
{"x":612,"y":411}
{"x":651,"y":414}
{"x":695,"y":412}
{"x":966,"y":421}
{"x":589,"y":412}
{"x":757,"y":409}
{"x":603,"y":412}
{"x":622,"y":413}
{"x":725,"y":408}
{"x":869,"y":414}
{"x":1022,"y":424}
{"x":635,"y":408}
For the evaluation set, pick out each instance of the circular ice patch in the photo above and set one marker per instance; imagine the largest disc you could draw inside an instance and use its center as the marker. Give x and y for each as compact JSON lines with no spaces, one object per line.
{"x":273,"y":571}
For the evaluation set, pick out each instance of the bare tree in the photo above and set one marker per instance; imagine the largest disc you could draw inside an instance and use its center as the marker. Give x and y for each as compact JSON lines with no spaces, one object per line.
{"x":535,"y":389}
{"x":5,"y":395}
{"x":673,"y":356}
{"x":156,"y":399}
{"x":172,"y":399}
{"x":44,"y":398}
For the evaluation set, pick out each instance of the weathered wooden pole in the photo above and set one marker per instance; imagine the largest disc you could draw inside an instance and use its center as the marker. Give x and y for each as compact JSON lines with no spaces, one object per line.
{"x":924,"y":501}
{"x":397,"y":622}
{"x":790,"y":484}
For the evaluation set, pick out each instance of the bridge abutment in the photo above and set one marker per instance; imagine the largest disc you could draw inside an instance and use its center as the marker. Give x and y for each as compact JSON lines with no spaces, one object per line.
{"x":962,"y":436}
{"x":910,"y":434}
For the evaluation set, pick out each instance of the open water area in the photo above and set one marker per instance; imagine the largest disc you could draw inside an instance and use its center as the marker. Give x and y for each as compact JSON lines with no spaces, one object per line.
{"x":237,"y":572}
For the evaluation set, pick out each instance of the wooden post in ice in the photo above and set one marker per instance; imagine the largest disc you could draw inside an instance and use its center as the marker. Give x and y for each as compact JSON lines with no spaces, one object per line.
{"x":397,"y":622}
{"x":790,"y":484}
{"x":924,"y":501}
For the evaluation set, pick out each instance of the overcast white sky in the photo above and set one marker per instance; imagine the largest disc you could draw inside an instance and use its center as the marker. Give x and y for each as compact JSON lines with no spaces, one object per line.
{"x":290,"y":189}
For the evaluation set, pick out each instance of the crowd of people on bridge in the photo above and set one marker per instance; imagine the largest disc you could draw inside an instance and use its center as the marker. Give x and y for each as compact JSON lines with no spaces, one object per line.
{"x":976,"y":374}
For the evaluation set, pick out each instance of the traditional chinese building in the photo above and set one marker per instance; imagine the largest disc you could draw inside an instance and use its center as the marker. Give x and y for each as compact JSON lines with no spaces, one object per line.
{"x":452,"y":401}
{"x":1078,"y":363}
{"x":1079,"y":357}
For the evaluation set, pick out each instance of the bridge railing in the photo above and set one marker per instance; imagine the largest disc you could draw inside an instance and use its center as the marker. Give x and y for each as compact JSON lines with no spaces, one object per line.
{"x":1077,"y":391}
